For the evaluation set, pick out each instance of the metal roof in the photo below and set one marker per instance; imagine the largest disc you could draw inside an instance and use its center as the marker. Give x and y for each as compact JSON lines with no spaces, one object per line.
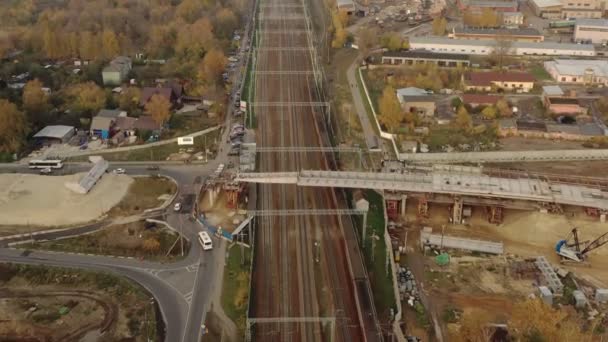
{"x":592,"y":22}
{"x":546,"y":3}
{"x":56,"y":131}
{"x":525,"y":31}
{"x":553,"y":90}
{"x":427,"y":55}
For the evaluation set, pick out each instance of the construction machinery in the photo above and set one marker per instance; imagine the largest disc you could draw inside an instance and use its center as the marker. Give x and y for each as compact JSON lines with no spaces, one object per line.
{"x":572,"y":249}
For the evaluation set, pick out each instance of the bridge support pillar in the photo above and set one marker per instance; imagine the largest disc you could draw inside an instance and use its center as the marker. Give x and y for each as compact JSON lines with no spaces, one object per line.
{"x":403,"y":202}
{"x":364,"y":229}
{"x":494,"y":214}
{"x":457,"y":211}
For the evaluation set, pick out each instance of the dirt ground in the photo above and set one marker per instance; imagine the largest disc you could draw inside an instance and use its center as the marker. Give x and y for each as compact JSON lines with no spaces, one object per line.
{"x":218,"y":214}
{"x":530,"y":234}
{"x":573,"y":168}
{"x":53,"y":304}
{"x":44,"y":201}
{"x":527,"y":144}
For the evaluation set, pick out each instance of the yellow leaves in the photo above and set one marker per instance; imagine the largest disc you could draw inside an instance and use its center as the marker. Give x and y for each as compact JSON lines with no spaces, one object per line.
{"x":212,"y":66}
{"x":390,"y":109}
{"x":13,"y":127}
{"x":159,"y":108}
{"x":463,"y":119}
{"x":340,"y":33}
{"x":86,"y":97}
{"x":111,"y":47}
{"x":35,"y":100}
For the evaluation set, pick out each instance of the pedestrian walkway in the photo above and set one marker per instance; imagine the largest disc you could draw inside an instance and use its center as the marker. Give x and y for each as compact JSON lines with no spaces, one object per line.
{"x":371,"y":139}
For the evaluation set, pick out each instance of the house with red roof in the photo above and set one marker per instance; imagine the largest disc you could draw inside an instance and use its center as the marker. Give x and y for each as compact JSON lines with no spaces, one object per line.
{"x":521,"y":82}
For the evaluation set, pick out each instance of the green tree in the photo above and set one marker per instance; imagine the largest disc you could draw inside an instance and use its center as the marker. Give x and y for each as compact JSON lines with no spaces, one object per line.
{"x":159,"y":108}
{"x":390,"y":110}
{"x":439,"y":25}
{"x":35,"y":100}
{"x":463,"y":119}
{"x":13,"y":127}
{"x":391,"y":41}
{"x":489,"y":113}
{"x":86,"y":97}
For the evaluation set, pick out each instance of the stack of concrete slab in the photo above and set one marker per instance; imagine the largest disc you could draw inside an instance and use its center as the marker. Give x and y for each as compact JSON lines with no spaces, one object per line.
{"x":601,"y":295}
{"x":580,"y":301}
{"x":550,"y":276}
{"x":545,"y":295}
{"x":446,"y":241}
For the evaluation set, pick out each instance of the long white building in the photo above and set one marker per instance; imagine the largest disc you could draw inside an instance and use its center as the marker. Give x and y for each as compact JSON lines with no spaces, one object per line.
{"x":591,"y":30}
{"x":485,"y":47}
{"x":584,"y":71}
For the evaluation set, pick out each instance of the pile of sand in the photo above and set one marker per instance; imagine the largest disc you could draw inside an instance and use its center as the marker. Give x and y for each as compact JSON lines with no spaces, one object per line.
{"x":35,"y":200}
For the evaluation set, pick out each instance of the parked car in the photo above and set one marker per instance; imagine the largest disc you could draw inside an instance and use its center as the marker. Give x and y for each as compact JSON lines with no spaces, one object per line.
{"x":120,"y":171}
{"x":177,"y":207}
{"x":46,"y":171}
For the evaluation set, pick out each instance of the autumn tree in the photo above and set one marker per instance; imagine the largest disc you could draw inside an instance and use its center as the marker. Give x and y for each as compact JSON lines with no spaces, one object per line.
{"x":189,"y":10}
{"x":473,"y":327}
{"x":390,"y":109}
{"x":366,"y":38}
{"x":35,"y":100}
{"x":503,"y":108}
{"x":151,"y":245}
{"x":439,"y":25}
{"x":90,"y":45}
{"x":110,"y":44}
{"x":225,"y":22}
{"x":129,"y":99}
{"x":463,"y":119}
{"x":159,"y":108}
{"x":212,"y":66}
{"x":489,"y":113}
{"x":340,"y":33}
{"x":86,"y":97}
{"x":391,"y":41}
{"x":13,"y":127}
{"x":193,"y":40}
{"x":533,"y":317}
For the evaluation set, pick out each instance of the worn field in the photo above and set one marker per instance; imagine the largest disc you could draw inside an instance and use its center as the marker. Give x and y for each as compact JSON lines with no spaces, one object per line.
{"x":44,"y":201}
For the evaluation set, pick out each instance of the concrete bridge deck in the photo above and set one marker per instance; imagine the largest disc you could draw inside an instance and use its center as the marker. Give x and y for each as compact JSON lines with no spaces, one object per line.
{"x":444,"y":182}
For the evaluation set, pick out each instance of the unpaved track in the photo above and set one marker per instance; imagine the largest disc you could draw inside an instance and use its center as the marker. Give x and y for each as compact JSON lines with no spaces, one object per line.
{"x":287,"y":282}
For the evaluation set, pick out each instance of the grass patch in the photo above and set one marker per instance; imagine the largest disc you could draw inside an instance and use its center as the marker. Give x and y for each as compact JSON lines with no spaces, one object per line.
{"x":368,"y":106}
{"x":235,"y":293}
{"x":143,"y":194}
{"x":128,"y":240}
{"x":184,"y":124}
{"x":539,"y":72}
{"x":381,"y":282}
{"x":158,"y":152}
{"x":441,"y":136}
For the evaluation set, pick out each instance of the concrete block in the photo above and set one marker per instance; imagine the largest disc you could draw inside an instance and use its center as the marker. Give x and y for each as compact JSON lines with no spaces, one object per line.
{"x":601,"y":295}
{"x":546,"y":295}
{"x":580,"y":301}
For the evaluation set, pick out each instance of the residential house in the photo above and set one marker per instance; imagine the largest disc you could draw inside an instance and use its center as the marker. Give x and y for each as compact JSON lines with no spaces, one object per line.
{"x":102,"y":125}
{"x":124,"y":128}
{"x":168,"y":92}
{"x":476,"y":100}
{"x":117,"y":71}
{"x":500,"y":81}
{"x":146,"y":123}
{"x":416,"y":100}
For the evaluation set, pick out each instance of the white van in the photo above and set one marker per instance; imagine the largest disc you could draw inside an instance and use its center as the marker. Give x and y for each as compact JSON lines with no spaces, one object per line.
{"x":205,"y":241}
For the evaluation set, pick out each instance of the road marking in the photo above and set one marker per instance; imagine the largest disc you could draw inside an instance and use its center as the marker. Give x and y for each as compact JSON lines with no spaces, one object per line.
{"x":188,"y":297}
{"x":190,"y":306}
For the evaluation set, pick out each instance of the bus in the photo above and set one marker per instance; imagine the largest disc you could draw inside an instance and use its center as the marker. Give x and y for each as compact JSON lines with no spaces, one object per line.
{"x":205,"y":241}
{"x":47,"y":163}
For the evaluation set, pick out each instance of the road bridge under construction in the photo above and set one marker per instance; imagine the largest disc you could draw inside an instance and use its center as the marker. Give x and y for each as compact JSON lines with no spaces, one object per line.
{"x":458,"y":186}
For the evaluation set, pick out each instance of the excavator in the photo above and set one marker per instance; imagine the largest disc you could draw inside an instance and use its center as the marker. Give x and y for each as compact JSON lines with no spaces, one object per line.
{"x":573,"y":250}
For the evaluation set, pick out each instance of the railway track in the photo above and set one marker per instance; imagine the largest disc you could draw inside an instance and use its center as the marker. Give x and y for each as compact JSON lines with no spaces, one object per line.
{"x":287,"y":281}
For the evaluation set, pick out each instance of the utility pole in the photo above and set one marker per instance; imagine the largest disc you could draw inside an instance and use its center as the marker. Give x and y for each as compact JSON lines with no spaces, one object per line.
{"x":181,"y":235}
